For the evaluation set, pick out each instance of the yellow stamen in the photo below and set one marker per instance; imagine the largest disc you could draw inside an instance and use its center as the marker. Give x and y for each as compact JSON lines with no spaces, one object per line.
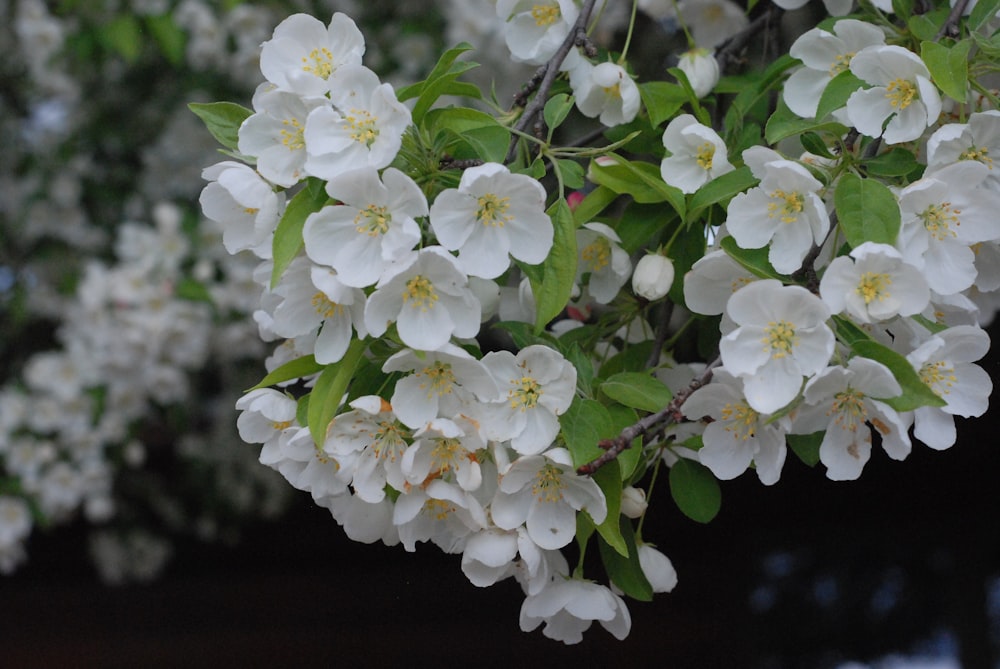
{"x":938,"y":219}
{"x":979,"y":154}
{"x":900,"y":93}
{"x":420,"y":293}
{"x":292,"y":134}
{"x":704,"y":156}
{"x":492,"y":210}
{"x":597,"y":254}
{"x":741,"y":419}
{"x":318,"y":62}
{"x":373,"y":220}
{"x":362,"y":123}
{"x":525,"y":394}
{"x":548,"y":484}
{"x":788,"y":206}
{"x":325,"y":307}
{"x":545,"y":15}
{"x":939,"y":376}
{"x":874,"y":287}
{"x":780,"y":338}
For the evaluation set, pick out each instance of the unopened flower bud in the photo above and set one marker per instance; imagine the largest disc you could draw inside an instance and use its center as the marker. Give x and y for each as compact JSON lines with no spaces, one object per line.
{"x":633,"y":502}
{"x":701,"y":69}
{"x":653,"y":276}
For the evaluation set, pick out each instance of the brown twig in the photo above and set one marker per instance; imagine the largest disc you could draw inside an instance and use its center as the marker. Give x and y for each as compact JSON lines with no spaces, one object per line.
{"x":577,"y":36}
{"x":652,"y":423}
{"x":950,"y":26}
{"x":449,"y":163}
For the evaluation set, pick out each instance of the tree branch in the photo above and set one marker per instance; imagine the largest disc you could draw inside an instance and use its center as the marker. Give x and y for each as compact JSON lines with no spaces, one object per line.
{"x":654,"y":422}
{"x":950,"y":26}
{"x":546,"y":75}
{"x":726,"y":51}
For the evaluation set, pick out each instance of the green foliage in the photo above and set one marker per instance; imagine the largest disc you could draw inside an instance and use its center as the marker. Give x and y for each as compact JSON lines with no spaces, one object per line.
{"x":639,"y":179}
{"x":288,"y":236}
{"x":625,"y":571}
{"x":866,"y":210}
{"x":443,"y":80}
{"x":662,"y":100}
{"x":296,"y":368}
{"x":553,"y":287}
{"x":695,"y":491}
{"x":223,"y":120}
{"x":753,"y":260}
{"x":949,"y":67}
{"x":784,"y":123}
{"x":836,"y":93}
{"x":637,"y":390}
{"x":806,"y":446}
{"x":325,"y":398}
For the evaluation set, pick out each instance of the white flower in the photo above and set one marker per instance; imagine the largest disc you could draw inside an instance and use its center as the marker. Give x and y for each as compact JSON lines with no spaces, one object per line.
{"x":782,"y":337}
{"x":942,"y":216}
{"x":373,"y":226}
{"x":657,"y":568}
{"x":653,"y":276}
{"x":363,"y":128}
{"x":901,"y":92}
{"x":833,"y":7}
{"x":536,"y":28}
{"x":428,"y":297}
{"x":712,"y":22}
{"x":842,"y":402}
{"x":445,"y":450}
{"x":738,"y":434}
{"x":489,"y":556}
{"x":634,"y":502}
{"x":536,"y":387}
{"x":443,"y":383}
{"x":945,"y":364}
{"x":701,"y":69}
{"x":274,"y":134}
{"x":712,"y":281}
{"x":491,"y":214}
{"x":568,"y":607}
{"x":303,"y":53}
{"x":876,"y":286}
{"x":698,"y":154}
{"x":439,"y":512}
{"x":975,"y":140}
{"x":784,"y":213}
{"x":543,"y":493}
{"x":267,"y":415}
{"x":244,"y":204}
{"x":824,"y":55}
{"x":605,"y":90}
{"x":601,"y":255}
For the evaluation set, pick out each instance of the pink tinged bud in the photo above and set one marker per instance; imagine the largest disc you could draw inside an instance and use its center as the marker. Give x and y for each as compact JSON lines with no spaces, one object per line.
{"x":653,"y":276}
{"x":574,"y":199}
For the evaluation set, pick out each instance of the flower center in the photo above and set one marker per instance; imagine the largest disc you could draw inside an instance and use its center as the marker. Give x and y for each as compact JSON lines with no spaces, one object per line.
{"x":444,"y":454}
{"x":525,"y":394}
{"x":979,"y":154}
{"x":597,"y":254}
{"x":373,"y":220}
{"x":849,"y":407}
{"x":387,"y":441}
{"x":614,"y":92}
{"x":420,"y":293}
{"x":741,"y":420}
{"x":325,"y":307}
{"x":438,"y":378}
{"x":362,"y":125}
{"x":318,"y":62}
{"x":438,"y":508}
{"x":939,"y":376}
{"x":704,"y":155}
{"x":545,"y":15}
{"x":548,"y":484}
{"x":281,"y":425}
{"x":874,"y":286}
{"x":492,"y":210}
{"x":841,"y":62}
{"x":787,"y":206}
{"x":292,"y":134}
{"x":900,"y":93}
{"x":938,"y":219}
{"x":780,"y":338}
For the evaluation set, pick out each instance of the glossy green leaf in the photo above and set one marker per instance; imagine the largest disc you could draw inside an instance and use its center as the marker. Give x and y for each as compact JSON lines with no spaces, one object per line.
{"x":571,"y":172}
{"x":867,"y":211}
{"x":626,"y":572}
{"x":662,"y":100}
{"x":896,"y":162}
{"x":916,"y":393}
{"x":324,"y":400}
{"x":695,"y":490}
{"x":443,"y":80}
{"x":609,"y":478}
{"x":482,"y":133}
{"x":637,"y":390}
{"x":641,"y":180}
{"x":949,"y":67}
{"x":223,"y":120}
{"x":982,"y":13}
{"x":293,"y":369}
{"x":836,"y":93}
{"x":288,"y":235}
{"x":559,"y":269}
{"x":593,"y":204}
{"x":557,"y":108}
{"x":721,"y":190}
{"x":806,"y":446}
{"x":785,"y":123}
{"x":583,"y":424}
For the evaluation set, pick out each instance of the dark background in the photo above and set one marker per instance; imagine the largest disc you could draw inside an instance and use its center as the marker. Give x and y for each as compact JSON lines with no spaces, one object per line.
{"x":808,"y":573}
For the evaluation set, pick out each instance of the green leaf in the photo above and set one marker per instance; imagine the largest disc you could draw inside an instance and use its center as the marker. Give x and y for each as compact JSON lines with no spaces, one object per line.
{"x":637,"y":390}
{"x":785,"y":123}
{"x":692,"y":98}
{"x":557,"y":108}
{"x":902,"y":7}
{"x":867,"y":210}
{"x":169,"y":36}
{"x":609,"y":479}
{"x":695,"y":491}
{"x":897,"y":162}
{"x":806,"y":446}
{"x":949,"y":67}
{"x":223,"y":120}
{"x":916,"y":393}
{"x":925,"y":26}
{"x":721,"y":190}
{"x":836,"y":93}
{"x":584,"y":368}
{"x":662,"y":100}
{"x":583,"y":424}
{"x":195,"y":291}
{"x":572,"y":174}
{"x":482,"y":133}
{"x":626,"y":572}
{"x":593,"y":204}
{"x":848,"y":332}
{"x":988,"y":46}
{"x":753,"y":260}
{"x":641,"y":180}
{"x":288,"y":235}
{"x":632,"y":358}
{"x":629,"y":459}
{"x":293,"y":369}
{"x":524,"y":335}
{"x":559,"y":269}
{"x":324,"y":400}
{"x":124,"y":36}
{"x":982,"y":13}
{"x":441,"y":81}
